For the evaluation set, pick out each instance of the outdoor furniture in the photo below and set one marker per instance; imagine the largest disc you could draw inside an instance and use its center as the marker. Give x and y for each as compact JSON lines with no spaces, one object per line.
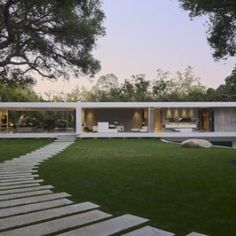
{"x":184,"y":127}
{"x":144,"y":129}
{"x":103,"y":127}
{"x":135,"y":130}
{"x":120,"y":128}
{"x":95,"y":128}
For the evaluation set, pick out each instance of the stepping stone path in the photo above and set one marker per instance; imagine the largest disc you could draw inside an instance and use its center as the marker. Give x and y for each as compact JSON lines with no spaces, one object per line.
{"x":28,"y":208}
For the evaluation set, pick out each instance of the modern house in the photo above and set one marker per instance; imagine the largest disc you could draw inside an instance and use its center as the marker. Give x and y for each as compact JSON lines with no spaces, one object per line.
{"x":215,"y":121}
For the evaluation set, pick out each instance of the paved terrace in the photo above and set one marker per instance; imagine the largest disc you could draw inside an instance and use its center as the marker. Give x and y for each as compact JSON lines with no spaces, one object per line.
{"x":28,"y":208}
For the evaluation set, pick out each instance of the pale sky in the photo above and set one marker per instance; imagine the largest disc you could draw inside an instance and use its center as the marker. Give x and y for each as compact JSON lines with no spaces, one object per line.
{"x":142,"y":36}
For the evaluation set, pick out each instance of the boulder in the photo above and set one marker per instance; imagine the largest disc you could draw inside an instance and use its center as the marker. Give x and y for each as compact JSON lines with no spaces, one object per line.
{"x":201,"y":143}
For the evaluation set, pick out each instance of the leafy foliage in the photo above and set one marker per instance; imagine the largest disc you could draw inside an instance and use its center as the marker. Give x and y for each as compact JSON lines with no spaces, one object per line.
{"x":19,"y":93}
{"x":136,"y":90}
{"x":183,"y":86}
{"x":49,"y":38}
{"x":225,"y":92}
{"x":222,"y":23}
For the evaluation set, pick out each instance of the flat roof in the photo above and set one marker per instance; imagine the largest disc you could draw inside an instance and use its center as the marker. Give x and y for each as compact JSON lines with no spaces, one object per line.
{"x":38,"y":105}
{"x":73,"y":105}
{"x":156,"y":104}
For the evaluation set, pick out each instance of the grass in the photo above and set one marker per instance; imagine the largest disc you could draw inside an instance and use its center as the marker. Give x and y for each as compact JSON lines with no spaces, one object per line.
{"x":11,"y":148}
{"x":180,"y":190}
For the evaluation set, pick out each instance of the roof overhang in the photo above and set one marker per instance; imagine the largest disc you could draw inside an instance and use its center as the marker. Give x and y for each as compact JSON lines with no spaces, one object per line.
{"x":73,"y":105}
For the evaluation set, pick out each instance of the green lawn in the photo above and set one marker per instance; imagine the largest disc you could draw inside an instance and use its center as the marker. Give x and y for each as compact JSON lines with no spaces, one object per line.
{"x":178,"y":189}
{"x":11,"y":148}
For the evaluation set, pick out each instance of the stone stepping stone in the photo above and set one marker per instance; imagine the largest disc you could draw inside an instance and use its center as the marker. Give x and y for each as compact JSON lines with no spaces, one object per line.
{"x":12,"y":211}
{"x":21,"y":182}
{"x":57,"y":225}
{"x":23,"y":190}
{"x":20,"y":220}
{"x":5,"y":169}
{"x":16,"y":162}
{"x":108,"y":227}
{"x":2,"y":177}
{"x":16,"y":168}
{"x":149,"y":231}
{"x":21,"y":195}
{"x":16,"y":165}
{"x":28,"y":200}
{"x":195,"y":234}
{"x":19,"y":163}
{"x":18,"y":186}
{"x":16,"y":179}
{"x":18,"y":172}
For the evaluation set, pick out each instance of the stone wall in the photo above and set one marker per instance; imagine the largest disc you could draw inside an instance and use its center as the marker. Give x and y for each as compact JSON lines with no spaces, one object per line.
{"x":225,"y":120}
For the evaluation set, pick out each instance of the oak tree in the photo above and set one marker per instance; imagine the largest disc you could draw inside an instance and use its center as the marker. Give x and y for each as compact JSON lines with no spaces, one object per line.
{"x":51,"y":38}
{"x":222,"y":24}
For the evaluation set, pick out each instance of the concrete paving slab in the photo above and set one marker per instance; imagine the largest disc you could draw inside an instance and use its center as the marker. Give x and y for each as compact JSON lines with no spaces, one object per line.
{"x":2,"y":177}
{"x":11,"y":211}
{"x":23,"y":190}
{"x":28,"y":200}
{"x":22,"y":195}
{"x":16,"y":165}
{"x":17,"y":172}
{"x":57,"y":225}
{"x":12,"y":167}
{"x":13,"y":161}
{"x":21,"y":182}
{"x":15,"y":179}
{"x":149,"y":231}
{"x":20,"y":220}
{"x":16,"y":168}
{"x":108,"y":227}
{"x":18,"y":186}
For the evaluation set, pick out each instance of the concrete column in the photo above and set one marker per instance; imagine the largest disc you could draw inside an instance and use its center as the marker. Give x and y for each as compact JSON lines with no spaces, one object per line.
{"x":158,"y":120}
{"x":78,"y":125}
{"x":151,"y":119}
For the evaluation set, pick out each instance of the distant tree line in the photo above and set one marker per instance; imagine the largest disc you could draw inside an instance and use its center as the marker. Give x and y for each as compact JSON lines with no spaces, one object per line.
{"x":182,"y":86}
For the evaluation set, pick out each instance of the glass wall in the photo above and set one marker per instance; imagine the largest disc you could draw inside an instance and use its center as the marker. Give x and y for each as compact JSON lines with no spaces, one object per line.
{"x":33,"y":121}
{"x":180,"y":119}
{"x":115,"y":120}
{"x":150,"y":120}
{"x":187,"y":120}
{"x":206,"y":120}
{"x":3,"y":120}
